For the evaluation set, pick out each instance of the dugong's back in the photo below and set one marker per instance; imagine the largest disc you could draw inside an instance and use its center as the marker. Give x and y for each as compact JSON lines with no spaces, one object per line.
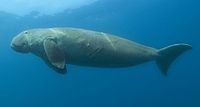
{"x":84,"y":47}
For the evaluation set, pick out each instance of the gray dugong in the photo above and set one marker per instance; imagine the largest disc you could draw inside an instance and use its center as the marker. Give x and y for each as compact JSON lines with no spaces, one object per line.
{"x":61,"y":46}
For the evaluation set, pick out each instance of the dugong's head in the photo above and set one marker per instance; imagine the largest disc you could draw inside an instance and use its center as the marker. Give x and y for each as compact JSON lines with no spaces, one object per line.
{"x":20,"y":43}
{"x":43,"y":43}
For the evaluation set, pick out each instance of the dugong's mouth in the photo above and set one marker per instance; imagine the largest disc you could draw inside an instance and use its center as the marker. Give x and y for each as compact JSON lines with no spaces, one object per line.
{"x":22,"y":48}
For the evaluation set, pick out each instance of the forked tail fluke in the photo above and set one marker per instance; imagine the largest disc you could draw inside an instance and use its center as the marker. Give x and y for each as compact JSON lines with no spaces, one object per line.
{"x":168,"y":54}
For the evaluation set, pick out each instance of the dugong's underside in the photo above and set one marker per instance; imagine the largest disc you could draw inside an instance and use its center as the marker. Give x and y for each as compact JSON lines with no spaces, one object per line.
{"x":61,"y":46}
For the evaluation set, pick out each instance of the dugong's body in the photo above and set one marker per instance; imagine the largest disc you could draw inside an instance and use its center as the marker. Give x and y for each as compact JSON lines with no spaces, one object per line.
{"x":61,"y":46}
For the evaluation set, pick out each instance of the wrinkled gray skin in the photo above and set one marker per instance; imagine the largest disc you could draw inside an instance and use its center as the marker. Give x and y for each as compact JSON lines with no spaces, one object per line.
{"x":61,"y":46}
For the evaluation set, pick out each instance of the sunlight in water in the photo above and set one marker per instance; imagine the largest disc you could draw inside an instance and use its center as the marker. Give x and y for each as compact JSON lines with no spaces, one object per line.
{"x":44,"y":7}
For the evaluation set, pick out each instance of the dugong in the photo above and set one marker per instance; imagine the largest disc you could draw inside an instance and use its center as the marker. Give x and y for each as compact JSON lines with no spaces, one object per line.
{"x":61,"y":46}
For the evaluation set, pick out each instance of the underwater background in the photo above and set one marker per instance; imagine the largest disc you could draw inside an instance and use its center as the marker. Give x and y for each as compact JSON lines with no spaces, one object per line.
{"x":26,"y":81}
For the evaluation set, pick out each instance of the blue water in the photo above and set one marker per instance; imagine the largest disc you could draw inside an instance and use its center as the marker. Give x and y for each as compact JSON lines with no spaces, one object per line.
{"x":26,"y":81}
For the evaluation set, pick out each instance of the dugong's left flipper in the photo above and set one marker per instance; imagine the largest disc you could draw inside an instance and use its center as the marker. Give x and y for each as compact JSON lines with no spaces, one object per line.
{"x":55,"y":55}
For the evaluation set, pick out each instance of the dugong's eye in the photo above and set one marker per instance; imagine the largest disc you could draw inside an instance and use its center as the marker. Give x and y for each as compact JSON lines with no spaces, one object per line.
{"x":25,"y":32}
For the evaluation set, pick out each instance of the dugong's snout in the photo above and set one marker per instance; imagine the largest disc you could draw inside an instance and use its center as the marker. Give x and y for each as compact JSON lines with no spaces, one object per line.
{"x":20,"y":44}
